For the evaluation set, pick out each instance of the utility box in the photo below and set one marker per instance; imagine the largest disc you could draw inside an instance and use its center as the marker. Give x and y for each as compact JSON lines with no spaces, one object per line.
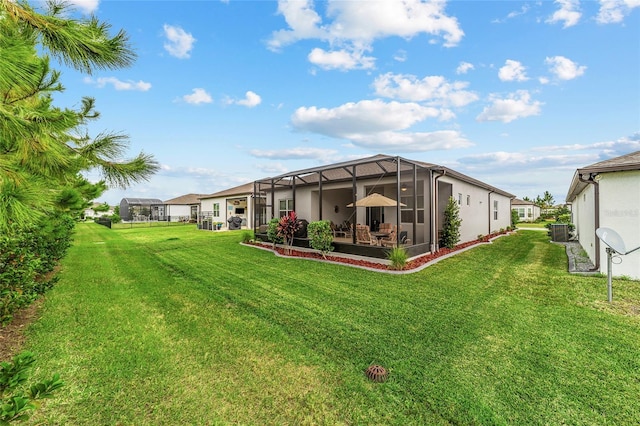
{"x":559,"y":232}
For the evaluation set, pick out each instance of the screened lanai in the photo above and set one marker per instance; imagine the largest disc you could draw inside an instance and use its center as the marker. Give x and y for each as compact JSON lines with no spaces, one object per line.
{"x":422,"y":189}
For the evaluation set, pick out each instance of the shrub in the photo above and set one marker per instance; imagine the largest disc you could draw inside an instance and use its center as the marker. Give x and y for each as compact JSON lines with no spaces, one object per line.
{"x":247,"y":236}
{"x":272,"y":232}
{"x":398,"y":257}
{"x":451,"y":226}
{"x":28,"y":255}
{"x":320,"y":236}
{"x":14,"y":404}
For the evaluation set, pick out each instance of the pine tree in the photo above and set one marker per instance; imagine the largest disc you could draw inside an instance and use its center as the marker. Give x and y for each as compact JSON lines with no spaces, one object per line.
{"x":451,"y":226}
{"x":43,"y":148}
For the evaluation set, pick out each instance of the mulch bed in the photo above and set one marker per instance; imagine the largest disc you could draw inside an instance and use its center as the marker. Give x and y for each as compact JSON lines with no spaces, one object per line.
{"x":412,"y":265}
{"x":12,"y":335}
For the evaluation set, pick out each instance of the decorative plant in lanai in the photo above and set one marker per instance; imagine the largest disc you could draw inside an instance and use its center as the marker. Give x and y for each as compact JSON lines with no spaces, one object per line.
{"x":287,"y":228}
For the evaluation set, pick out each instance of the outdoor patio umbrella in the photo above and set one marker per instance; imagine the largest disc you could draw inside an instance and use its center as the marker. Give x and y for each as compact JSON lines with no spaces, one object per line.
{"x":376,"y":200}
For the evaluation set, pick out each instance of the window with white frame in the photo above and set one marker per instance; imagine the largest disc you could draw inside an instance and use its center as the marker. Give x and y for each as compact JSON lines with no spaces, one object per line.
{"x":521,"y":212}
{"x":459,"y":198}
{"x":216,"y":209}
{"x":495,"y":210}
{"x":285,"y":207}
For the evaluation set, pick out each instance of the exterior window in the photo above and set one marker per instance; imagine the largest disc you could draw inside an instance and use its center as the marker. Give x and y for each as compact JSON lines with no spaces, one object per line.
{"x":459,"y":199}
{"x":216,"y":209}
{"x":529,"y":213}
{"x":521,"y":212}
{"x":495,"y":210}
{"x":286,"y":207}
{"x":468,"y":200}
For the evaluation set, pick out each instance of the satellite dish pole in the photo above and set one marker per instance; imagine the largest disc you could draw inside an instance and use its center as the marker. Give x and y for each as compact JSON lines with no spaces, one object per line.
{"x":615,"y":245}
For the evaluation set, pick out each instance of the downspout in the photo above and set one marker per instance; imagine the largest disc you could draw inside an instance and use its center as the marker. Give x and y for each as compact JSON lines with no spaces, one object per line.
{"x":398,"y":213}
{"x":434,"y":245}
{"x":596,"y":219}
{"x":489,"y":211}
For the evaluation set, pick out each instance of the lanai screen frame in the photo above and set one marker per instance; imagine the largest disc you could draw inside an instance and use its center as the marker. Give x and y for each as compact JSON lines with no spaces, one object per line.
{"x":376,"y":167}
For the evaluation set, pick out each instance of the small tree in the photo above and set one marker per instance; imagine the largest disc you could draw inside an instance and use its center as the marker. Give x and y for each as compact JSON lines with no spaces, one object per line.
{"x":515,"y":218}
{"x":451,"y":225}
{"x":320,"y":236}
{"x":287,"y":228}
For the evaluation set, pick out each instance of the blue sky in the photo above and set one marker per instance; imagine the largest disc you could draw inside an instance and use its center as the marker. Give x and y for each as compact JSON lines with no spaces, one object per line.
{"x":516,"y":94}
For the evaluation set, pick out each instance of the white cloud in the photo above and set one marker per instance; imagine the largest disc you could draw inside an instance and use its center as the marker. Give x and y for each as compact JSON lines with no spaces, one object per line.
{"x":516,"y":105}
{"x":614,"y":11}
{"x":141,"y":86}
{"x":435,"y":90}
{"x":340,"y":59}
{"x":512,"y":71}
{"x":86,"y":6}
{"x":364,"y":117}
{"x":400,"y":56}
{"x":563,"y":68}
{"x":179,"y":42}
{"x":412,"y":141}
{"x":378,"y":125}
{"x":612,"y":148}
{"x":303,"y":22}
{"x":298,"y":153}
{"x":367,"y":21}
{"x":198,"y":96}
{"x":523,"y":10}
{"x":250,"y":100}
{"x":568,"y":13}
{"x":464,"y":68}
{"x":352,"y":26}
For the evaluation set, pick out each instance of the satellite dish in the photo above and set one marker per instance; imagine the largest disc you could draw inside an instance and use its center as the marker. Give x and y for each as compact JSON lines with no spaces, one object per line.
{"x":612,"y":239}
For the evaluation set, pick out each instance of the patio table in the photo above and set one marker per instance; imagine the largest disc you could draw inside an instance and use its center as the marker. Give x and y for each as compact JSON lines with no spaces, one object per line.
{"x":379,"y":236}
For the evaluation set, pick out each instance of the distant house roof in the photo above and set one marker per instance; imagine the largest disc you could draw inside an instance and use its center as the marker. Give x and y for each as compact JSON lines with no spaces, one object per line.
{"x":623,"y":163}
{"x":142,"y":201}
{"x":519,"y":202}
{"x":247,"y":188}
{"x":187,"y":199}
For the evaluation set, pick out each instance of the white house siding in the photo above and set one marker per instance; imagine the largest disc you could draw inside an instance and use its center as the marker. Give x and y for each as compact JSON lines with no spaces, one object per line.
{"x":226,"y":209}
{"x":584,"y":220}
{"x":620,"y":211}
{"x":478,"y":216}
{"x":177,"y":212}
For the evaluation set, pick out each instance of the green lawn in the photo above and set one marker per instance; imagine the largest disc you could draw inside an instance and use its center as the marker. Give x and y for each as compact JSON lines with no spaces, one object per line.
{"x":174,"y":326}
{"x":537,"y":225}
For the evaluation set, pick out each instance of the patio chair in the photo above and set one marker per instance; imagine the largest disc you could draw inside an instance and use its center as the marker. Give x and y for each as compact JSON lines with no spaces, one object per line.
{"x":363,"y":236}
{"x":385,"y":227}
{"x":391,"y":240}
{"x":404,"y":238}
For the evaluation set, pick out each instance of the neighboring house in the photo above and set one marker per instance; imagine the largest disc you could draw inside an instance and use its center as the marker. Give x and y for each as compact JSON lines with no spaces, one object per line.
{"x":527,"y":210}
{"x":222,"y":206}
{"x":607,"y":195}
{"x":182,"y":209}
{"x":139,"y":209}
{"x":90,"y":213}
{"x":323,"y":193}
